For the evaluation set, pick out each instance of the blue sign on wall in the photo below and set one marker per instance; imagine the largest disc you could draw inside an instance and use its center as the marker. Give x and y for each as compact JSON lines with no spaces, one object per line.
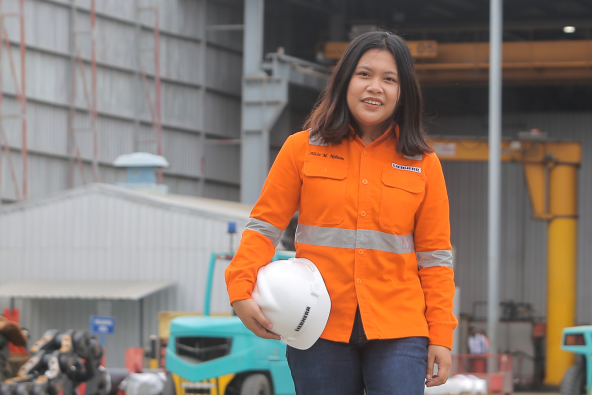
{"x":102,"y":325}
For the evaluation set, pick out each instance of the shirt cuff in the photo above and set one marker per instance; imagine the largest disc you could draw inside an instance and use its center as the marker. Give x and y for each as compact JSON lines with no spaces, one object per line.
{"x":441,"y":335}
{"x":239,"y":291}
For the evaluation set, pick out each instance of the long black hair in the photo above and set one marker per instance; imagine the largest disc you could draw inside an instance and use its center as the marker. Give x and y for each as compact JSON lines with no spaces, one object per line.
{"x":330,"y":120}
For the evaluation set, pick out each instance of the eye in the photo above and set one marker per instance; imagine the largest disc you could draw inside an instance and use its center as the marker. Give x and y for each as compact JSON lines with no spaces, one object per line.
{"x":391,"y":79}
{"x":363,"y":74}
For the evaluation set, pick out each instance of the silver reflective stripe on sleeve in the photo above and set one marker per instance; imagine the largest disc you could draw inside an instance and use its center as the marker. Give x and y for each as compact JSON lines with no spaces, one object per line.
{"x":273,"y":233}
{"x":416,"y":157}
{"x":349,"y":238}
{"x":315,"y":140}
{"x":434,"y":258}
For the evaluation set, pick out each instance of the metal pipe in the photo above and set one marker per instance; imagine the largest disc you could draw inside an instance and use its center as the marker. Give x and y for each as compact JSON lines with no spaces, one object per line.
{"x":72,"y":116}
{"x":209,"y":280}
{"x":202,"y":78}
{"x":137,"y":78}
{"x":495,"y":167}
{"x":24,"y":101}
{"x":141,"y":308}
{"x":157,"y":87}
{"x":94,"y":91}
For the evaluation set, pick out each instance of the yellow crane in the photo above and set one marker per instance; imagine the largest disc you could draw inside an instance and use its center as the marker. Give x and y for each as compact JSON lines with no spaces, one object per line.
{"x":550,"y":168}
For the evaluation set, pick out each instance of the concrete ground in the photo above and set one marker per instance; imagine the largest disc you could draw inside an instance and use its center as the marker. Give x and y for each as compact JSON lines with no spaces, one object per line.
{"x":536,"y":393}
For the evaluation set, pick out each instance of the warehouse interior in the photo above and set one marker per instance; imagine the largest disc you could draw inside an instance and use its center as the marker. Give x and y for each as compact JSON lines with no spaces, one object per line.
{"x":547,"y":87}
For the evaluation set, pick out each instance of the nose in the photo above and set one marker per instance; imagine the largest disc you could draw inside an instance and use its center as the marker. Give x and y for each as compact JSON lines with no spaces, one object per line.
{"x":374,"y":86}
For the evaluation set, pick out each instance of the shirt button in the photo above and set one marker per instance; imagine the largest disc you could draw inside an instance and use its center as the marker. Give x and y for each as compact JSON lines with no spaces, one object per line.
{"x":363,"y":213}
{"x":364,"y":181}
{"x":360,"y":251}
{"x":359,"y":281}
{"x":365,"y":152}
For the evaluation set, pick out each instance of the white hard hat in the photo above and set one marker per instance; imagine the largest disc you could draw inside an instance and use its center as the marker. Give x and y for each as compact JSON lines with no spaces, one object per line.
{"x":293,"y":296}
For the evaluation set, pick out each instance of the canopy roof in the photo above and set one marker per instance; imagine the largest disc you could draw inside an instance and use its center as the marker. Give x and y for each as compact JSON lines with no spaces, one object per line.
{"x":82,"y":289}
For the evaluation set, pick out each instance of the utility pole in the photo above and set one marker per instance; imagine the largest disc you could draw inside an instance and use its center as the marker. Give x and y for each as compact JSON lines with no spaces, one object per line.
{"x":495,"y":169}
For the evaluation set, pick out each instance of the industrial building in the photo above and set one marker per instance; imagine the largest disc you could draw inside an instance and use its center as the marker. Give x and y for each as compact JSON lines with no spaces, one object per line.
{"x":106,"y":251}
{"x":234,"y":78}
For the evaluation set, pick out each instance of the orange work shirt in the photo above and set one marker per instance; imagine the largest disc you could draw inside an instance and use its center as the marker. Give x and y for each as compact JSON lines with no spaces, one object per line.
{"x":376,"y":224}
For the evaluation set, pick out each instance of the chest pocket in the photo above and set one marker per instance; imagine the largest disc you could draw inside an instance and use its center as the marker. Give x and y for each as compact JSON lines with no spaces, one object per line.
{"x":323,"y":192}
{"x":402,"y":193}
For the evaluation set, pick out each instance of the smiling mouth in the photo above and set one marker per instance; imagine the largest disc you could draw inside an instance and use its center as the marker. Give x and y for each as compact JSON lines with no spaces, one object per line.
{"x":374,"y":102}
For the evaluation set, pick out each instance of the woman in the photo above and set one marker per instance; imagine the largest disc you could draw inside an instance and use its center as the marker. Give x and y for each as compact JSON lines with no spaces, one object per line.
{"x":373,"y":217}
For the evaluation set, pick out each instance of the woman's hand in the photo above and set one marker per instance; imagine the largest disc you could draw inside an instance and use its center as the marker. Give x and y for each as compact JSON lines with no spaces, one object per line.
{"x":250,"y":314}
{"x":441,"y":356}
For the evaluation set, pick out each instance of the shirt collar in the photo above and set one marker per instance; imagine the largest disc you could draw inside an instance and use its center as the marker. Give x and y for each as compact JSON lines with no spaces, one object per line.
{"x":353,"y":134}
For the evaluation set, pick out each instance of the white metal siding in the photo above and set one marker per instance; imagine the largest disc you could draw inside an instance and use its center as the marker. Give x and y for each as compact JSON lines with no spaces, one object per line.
{"x":103,"y":236}
{"x":120,"y":99}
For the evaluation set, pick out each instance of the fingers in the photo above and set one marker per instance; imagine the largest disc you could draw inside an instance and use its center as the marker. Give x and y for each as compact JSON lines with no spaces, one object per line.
{"x":261,"y":331}
{"x":430,"y":368}
{"x":250,"y":314}
{"x":261,"y":319}
{"x":443,"y":370}
{"x":264,"y":333}
{"x":441,"y":356}
{"x":264,"y":325}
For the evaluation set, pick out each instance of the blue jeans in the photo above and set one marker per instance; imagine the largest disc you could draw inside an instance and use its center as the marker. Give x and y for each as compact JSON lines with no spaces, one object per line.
{"x":390,"y":366}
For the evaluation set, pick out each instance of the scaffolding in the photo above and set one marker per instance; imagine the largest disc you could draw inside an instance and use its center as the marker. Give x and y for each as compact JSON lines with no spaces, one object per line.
{"x":90,"y":96}
{"x":20,"y":92}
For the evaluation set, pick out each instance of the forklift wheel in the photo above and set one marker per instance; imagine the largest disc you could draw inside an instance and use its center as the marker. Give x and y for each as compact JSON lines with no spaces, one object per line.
{"x":256,"y":384}
{"x":574,"y":381}
{"x":169,"y":385}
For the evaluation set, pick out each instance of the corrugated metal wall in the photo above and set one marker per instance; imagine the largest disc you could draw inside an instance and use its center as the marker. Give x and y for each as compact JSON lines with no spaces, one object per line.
{"x":102,"y":235}
{"x":201,"y":83}
{"x":524,"y":240}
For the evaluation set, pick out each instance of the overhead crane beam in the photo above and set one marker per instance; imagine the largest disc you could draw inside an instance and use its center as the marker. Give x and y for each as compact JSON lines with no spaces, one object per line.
{"x":524,"y":62}
{"x":551,"y":169}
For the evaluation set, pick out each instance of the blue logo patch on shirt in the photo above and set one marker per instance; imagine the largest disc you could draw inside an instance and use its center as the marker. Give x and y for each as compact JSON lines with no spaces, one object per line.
{"x":407,"y":168}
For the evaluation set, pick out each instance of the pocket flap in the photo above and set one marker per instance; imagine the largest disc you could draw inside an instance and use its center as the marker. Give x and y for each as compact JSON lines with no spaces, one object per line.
{"x":408,"y":181}
{"x":325,"y":169}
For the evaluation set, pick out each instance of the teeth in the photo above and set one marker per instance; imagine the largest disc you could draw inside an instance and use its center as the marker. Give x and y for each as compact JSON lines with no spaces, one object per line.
{"x":376,"y":103}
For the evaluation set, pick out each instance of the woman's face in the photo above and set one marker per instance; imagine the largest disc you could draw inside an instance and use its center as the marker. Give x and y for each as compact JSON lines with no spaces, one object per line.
{"x":373,"y":90}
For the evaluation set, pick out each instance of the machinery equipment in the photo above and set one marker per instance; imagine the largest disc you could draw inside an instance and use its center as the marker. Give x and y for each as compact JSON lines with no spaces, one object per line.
{"x":551,"y":172}
{"x":10,"y":332}
{"x":59,"y":363}
{"x":220,"y":356}
{"x":578,"y":378}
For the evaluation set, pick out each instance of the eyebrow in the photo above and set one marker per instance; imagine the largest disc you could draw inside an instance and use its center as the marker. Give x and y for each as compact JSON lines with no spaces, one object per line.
{"x":370,"y":69}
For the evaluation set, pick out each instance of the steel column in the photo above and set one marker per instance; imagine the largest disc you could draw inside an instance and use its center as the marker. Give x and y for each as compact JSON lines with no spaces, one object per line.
{"x":495,"y":167}
{"x":255,"y":139}
{"x":253,"y":37}
{"x":561,"y":268}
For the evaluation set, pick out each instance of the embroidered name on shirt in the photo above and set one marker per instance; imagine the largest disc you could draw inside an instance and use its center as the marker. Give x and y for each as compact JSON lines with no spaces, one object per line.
{"x":333,"y":156}
{"x":407,"y":168}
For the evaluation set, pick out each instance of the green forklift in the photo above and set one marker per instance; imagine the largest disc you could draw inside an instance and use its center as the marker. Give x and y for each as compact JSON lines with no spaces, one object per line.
{"x":577,"y":380}
{"x":220,"y":356}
